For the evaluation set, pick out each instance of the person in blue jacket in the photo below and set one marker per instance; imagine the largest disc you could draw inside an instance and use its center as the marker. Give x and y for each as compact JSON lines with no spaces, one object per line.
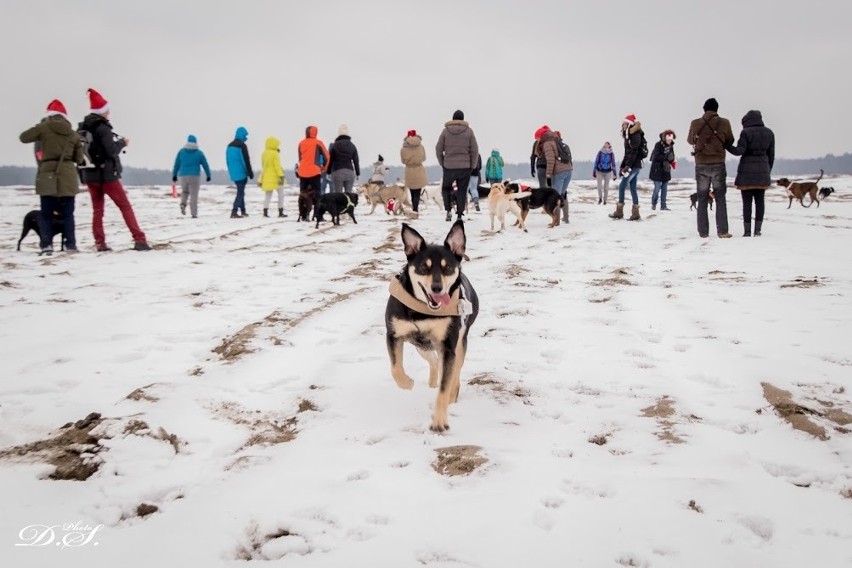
{"x":239,"y":170}
{"x":187,"y":169}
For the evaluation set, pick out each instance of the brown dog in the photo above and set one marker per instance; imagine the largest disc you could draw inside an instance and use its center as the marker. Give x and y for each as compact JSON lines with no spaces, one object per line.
{"x":799,"y":189}
{"x":307,"y":204}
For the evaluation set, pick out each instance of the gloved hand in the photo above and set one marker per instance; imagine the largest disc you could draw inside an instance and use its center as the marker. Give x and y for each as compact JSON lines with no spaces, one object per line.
{"x":208,"y":179}
{"x":549,"y":182}
{"x":174,"y":179}
{"x":594,"y":174}
{"x":532,"y":173}
{"x":251,"y":175}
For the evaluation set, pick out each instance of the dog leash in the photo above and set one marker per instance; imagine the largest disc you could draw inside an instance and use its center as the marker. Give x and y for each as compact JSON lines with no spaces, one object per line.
{"x":457,"y":306}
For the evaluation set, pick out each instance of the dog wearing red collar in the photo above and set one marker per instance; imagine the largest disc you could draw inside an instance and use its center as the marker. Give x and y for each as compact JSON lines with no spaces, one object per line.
{"x":432,"y":306}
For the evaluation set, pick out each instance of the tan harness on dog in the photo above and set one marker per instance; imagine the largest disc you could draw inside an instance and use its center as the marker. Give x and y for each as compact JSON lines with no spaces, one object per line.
{"x":457,"y":307}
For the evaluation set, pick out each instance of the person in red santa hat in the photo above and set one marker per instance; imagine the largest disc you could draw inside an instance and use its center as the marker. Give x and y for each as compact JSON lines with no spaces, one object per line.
{"x":56,"y":178}
{"x":631,"y":164}
{"x":103,"y":175}
{"x":538,"y":162}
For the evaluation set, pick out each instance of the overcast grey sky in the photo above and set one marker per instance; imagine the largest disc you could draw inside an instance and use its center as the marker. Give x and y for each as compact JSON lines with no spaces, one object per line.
{"x":174,"y":67}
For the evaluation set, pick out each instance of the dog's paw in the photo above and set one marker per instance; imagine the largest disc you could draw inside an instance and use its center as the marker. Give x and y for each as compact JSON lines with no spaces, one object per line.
{"x":403,"y":381}
{"x":439,"y":426}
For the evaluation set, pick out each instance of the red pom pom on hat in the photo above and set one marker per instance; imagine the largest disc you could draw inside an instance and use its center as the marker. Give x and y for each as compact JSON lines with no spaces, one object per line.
{"x":412,"y":133}
{"x":97,"y":103}
{"x":57,"y":108}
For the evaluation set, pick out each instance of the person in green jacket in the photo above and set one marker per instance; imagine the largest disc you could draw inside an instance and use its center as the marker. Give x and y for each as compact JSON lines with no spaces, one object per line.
{"x":56,"y":180}
{"x":494,"y":167}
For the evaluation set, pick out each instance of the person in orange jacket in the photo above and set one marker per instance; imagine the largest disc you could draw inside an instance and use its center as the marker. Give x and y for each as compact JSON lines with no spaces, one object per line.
{"x":313,"y":161}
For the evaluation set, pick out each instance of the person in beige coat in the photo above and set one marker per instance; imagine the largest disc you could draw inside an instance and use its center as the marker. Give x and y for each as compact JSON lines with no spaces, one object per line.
{"x":412,"y":154}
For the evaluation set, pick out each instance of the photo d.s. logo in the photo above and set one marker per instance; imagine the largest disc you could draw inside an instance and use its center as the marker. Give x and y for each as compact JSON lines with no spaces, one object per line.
{"x":67,"y":535}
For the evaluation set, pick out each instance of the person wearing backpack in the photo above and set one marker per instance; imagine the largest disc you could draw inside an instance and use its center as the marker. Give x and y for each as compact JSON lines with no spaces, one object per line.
{"x":103,"y":177}
{"x":56,"y":178}
{"x":538,"y":164}
{"x":708,"y":135}
{"x":239,"y":170}
{"x":187,"y":170}
{"x":494,"y":167}
{"x":558,"y":166}
{"x":603,"y":170}
{"x":662,"y":164}
{"x":635,"y":150}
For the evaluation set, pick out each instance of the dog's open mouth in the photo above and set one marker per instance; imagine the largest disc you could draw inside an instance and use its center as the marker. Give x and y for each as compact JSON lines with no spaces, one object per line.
{"x":436,"y":301}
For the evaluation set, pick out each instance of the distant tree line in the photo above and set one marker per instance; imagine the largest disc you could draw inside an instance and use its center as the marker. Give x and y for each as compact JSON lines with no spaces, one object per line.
{"x":833,"y":165}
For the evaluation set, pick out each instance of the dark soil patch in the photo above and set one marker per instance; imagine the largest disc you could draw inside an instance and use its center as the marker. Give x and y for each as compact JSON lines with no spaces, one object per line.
{"x":600,"y":439}
{"x":662,"y":412}
{"x":814,"y":282}
{"x":140,"y":394}
{"x":797,"y":415}
{"x":141,"y":428}
{"x":266,"y":429}
{"x":458,"y":460}
{"x":618,"y":278}
{"x":146,"y":509}
{"x":694,"y":506}
{"x":65,"y":450}
{"x":306,"y":405}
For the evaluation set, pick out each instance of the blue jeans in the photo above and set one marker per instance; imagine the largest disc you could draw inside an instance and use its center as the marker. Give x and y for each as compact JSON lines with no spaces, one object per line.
{"x":560,"y":182}
{"x":240,"y":199}
{"x":472,"y":189}
{"x":630,"y":178}
{"x":660,"y":188}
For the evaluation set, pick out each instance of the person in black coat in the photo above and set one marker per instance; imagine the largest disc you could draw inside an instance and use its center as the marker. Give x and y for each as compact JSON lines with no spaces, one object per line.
{"x":754,"y":173}
{"x":344,"y":164}
{"x":662,"y":163}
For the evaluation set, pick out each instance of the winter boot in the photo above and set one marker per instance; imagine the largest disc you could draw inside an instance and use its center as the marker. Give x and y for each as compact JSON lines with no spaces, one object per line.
{"x":234,"y":214}
{"x":281,"y":212}
{"x":757,"y":225}
{"x":565,"y":212}
{"x":619,"y":211}
{"x":449,"y":216}
{"x":634,"y":214}
{"x":266,"y":212}
{"x":476,"y":204}
{"x":747,"y":229}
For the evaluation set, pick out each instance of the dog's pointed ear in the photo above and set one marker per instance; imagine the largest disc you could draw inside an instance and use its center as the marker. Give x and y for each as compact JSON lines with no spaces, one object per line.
{"x":411,"y":240}
{"x":456,"y":240}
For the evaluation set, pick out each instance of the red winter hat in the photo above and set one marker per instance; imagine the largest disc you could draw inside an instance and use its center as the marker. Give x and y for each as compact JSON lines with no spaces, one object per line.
{"x":97,"y":103}
{"x":412,"y":133}
{"x":540,"y":132}
{"x":630,"y":118}
{"x":57,"y":108}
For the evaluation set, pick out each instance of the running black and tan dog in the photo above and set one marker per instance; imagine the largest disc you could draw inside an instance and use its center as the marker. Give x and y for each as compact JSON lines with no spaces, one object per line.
{"x":336,"y":204}
{"x":31,"y":223}
{"x":799,"y":189}
{"x":432,"y":306}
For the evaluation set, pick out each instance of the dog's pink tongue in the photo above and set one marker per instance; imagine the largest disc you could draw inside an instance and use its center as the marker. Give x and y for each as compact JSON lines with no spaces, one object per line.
{"x":441,"y":299}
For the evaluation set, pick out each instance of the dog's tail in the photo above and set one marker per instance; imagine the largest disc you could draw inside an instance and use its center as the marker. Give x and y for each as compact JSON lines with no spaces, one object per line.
{"x":820,"y":176}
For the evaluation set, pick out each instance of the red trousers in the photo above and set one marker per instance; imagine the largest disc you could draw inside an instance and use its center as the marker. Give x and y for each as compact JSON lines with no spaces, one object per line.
{"x":116,"y":192}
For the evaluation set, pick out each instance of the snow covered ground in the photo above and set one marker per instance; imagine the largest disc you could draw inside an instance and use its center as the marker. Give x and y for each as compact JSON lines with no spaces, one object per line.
{"x":633,"y":395}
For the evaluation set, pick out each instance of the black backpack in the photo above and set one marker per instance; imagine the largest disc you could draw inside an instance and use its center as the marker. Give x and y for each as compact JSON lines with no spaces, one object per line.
{"x":563,"y":152}
{"x":643,"y":148}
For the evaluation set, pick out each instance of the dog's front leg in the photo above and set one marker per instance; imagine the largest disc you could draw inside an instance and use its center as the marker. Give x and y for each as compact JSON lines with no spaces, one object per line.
{"x":431,"y":357}
{"x":440,"y":422}
{"x":395,"y":345}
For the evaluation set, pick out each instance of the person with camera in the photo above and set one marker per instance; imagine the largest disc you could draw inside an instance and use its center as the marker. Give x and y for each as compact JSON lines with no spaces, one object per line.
{"x":709,"y":135}
{"x":103,"y":176}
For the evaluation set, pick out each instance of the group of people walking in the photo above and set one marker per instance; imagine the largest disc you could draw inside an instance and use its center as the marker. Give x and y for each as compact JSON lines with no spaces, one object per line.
{"x":93,"y":150}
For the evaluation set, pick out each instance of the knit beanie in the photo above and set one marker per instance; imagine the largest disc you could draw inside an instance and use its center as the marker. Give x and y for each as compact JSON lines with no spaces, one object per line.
{"x":540,"y":132}
{"x":343,"y":130}
{"x":458,"y":115}
{"x":192,"y":139}
{"x":711,"y":105}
